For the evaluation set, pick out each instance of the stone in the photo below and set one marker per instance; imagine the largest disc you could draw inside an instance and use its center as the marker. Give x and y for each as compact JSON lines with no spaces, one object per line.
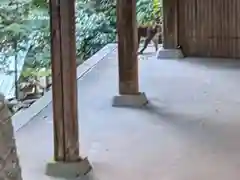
{"x":130,"y":100}
{"x":9,"y":163}
{"x":170,"y":54}
{"x":68,"y":169}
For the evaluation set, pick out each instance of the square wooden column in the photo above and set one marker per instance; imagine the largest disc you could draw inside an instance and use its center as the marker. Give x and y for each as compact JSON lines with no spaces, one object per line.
{"x":170,"y":31}
{"x":129,"y":94}
{"x":127,"y":47}
{"x":170,"y":24}
{"x":64,"y":90}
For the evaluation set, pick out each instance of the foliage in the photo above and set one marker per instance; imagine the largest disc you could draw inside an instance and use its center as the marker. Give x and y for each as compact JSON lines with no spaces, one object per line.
{"x":39,"y":53}
{"x":148,"y":12}
{"x":144,"y":12}
{"x":14,"y":33}
{"x":30,"y":72}
{"x":93,"y":31}
{"x":95,"y":26}
{"x":157,"y":8}
{"x":40,"y":4}
{"x":108,"y":7}
{"x":14,"y":36}
{"x":12,"y":22}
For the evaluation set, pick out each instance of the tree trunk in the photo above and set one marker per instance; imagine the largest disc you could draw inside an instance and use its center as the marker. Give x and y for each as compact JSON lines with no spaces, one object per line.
{"x":9,"y":164}
{"x":16,"y":70}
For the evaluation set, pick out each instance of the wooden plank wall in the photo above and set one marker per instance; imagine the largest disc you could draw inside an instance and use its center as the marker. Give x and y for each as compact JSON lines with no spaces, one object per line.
{"x":210,"y":28}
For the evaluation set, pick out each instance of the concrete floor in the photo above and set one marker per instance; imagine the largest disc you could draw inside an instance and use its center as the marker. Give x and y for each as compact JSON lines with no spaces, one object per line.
{"x":190,"y":131}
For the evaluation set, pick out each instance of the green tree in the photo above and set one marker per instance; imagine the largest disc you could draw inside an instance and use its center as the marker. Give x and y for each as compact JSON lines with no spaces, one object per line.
{"x":93,"y":30}
{"x":39,"y":54}
{"x":94,"y":27}
{"x":14,"y":34}
{"x":157,"y":8}
{"x":96,"y":22}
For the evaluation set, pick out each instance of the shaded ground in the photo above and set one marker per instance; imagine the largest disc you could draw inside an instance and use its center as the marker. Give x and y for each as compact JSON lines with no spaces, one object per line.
{"x":190,"y":131}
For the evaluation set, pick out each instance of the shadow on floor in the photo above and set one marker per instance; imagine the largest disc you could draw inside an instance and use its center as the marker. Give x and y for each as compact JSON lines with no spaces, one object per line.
{"x":207,"y":131}
{"x":214,"y":63}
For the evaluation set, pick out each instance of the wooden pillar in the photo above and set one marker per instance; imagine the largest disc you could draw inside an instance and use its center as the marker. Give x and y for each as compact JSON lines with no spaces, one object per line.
{"x":127,"y":47}
{"x":64,"y":87}
{"x":129,"y":94}
{"x":170,"y":24}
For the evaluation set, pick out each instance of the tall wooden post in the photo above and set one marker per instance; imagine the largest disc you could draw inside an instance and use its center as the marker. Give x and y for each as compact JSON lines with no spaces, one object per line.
{"x":127,"y":56}
{"x":64,"y":91}
{"x":64,"y":81}
{"x":170,"y":31}
{"x":170,"y":24}
{"x":127,"y":46}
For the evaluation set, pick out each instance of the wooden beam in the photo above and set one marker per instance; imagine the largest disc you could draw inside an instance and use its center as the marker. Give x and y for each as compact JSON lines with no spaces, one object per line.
{"x":127,"y":47}
{"x":170,"y":24}
{"x":57,"y":92}
{"x":63,"y":49}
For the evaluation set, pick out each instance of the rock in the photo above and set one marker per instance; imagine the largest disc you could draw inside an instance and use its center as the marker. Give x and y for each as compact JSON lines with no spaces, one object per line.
{"x":9,"y":163}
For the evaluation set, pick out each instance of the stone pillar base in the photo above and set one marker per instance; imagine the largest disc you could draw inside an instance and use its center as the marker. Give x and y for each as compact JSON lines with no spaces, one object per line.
{"x":170,"y":54}
{"x":68,"y":170}
{"x":136,"y":100}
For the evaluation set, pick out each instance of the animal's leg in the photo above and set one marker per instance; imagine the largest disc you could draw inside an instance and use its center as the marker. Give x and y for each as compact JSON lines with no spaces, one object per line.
{"x":139,"y":39}
{"x":146,"y":42}
{"x":155,"y":42}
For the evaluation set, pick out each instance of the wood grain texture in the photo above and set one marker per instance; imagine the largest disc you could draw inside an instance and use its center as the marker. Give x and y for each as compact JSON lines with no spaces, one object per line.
{"x":68,"y":52}
{"x":170,"y":24}
{"x":127,"y":46}
{"x":66,"y":142}
{"x":210,"y":28}
{"x":57,"y":90}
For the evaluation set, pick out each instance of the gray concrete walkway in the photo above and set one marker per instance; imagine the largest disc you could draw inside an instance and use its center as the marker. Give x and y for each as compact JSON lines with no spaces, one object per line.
{"x":190,"y":131}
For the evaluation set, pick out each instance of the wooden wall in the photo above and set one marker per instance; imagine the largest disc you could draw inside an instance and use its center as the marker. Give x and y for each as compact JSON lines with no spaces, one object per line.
{"x":205,"y":28}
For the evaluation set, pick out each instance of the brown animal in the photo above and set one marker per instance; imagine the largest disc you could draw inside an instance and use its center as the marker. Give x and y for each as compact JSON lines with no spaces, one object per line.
{"x":150,"y":33}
